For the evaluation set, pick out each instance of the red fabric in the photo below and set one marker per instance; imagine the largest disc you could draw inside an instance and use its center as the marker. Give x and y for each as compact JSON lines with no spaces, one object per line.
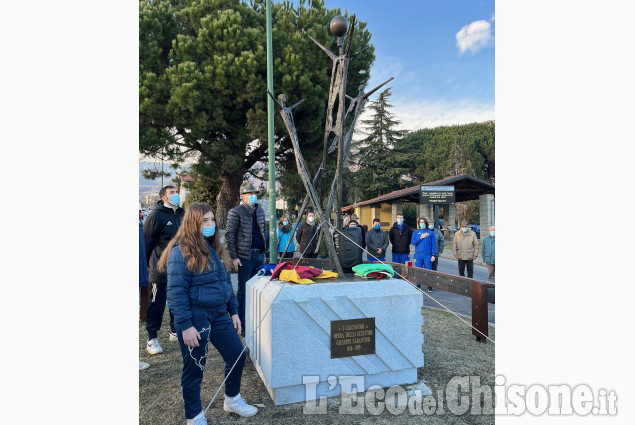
{"x":304,"y":272}
{"x":377,"y":275}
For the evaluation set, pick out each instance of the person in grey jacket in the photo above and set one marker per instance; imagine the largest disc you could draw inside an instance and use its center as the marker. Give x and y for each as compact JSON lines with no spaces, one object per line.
{"x":376,"y":243}
{"x":245,"y":236}
{"x":307,"y":236}
{"x":487,"y":252}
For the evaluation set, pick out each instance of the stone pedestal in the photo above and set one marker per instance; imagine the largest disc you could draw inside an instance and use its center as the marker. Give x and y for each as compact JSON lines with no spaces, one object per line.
{"x":396,"y":208}
{"x":424,"y":211}
{"x":486,"y":212}
{"x":375,"y":212}
{"x":293,"y":340}
{"x":451,"y":223}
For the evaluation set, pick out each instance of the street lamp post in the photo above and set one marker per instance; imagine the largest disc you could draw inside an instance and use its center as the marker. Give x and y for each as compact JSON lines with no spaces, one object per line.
{"x":273,"y":235}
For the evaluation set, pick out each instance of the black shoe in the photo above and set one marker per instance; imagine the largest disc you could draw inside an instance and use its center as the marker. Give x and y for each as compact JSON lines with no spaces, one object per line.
{"x":429,"y":289}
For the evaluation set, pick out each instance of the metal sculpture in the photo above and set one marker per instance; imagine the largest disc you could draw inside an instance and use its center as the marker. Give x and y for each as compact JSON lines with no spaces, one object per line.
{"x":341,"y":141}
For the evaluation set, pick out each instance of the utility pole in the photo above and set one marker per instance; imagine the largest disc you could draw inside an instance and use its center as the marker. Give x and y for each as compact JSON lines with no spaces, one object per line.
{"x":273,"y":234}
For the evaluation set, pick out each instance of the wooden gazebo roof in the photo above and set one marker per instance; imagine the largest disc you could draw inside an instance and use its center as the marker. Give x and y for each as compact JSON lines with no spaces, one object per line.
{"x":466,"y":188}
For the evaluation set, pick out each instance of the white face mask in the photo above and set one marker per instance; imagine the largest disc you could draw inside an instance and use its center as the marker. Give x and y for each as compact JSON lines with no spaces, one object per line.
{"x":310,"y":219}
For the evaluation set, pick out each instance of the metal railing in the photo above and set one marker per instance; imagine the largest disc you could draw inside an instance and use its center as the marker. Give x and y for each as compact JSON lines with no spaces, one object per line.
{"x":477,"y":290}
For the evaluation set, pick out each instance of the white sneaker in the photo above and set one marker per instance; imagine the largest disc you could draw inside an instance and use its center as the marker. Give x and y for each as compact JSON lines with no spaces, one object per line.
{"x":173,"y":336}
{"x":198,"y":420}
{"x":143,"y":365}
{"x":239,"y":406}
{"x":153,"y":347}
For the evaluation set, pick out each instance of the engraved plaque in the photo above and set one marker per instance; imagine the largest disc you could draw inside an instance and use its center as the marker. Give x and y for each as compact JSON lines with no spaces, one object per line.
{"x":355,"y":337}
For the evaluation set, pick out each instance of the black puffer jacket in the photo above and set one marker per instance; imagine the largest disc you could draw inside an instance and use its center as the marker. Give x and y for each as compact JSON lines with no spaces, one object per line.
{"x":400,"y":239}
{"x":239,"y":227}
{"x":303,"y":236}
{"x":159,"y":228}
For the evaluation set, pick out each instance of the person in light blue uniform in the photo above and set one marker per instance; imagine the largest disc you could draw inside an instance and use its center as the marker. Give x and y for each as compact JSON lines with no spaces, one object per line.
{"x":425,"y":244}
{"x":284,"y":233}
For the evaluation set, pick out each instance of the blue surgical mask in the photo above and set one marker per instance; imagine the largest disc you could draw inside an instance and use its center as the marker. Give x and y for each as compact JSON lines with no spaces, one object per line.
{"x":286,"y":223}
{"x":422,"y":225}
{"x":464,"y":230}
{"x":492,"y":233}
{"x":252,"y":199}
{"x":377,"y":226}
{"x":175,"y":199}
{"x":209,"y":231}
{"x":400,"y":221}
{"x":431,"y":226}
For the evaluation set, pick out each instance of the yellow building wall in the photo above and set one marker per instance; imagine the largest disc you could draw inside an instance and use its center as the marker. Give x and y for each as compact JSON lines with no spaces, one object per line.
{"x":385,"y":215}
{"x":365,"y":216}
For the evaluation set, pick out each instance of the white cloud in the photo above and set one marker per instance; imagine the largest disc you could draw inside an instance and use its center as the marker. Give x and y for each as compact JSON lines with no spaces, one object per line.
{"x":474,"y":36}
{"x":415,"y":115}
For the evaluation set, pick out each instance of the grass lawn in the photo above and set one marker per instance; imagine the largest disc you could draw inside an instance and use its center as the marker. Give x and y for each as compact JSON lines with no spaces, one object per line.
{"x":449,"y":349}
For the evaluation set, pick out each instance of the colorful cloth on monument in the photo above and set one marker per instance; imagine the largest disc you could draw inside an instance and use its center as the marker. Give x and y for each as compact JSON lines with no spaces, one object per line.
{"x":265,"y":270}
{"x":374,"y":270}
{"x":301,"y":274}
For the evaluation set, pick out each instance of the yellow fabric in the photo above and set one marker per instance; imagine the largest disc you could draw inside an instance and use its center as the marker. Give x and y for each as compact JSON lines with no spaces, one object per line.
{"x":326,"y":275}
{"x":293,"y":277}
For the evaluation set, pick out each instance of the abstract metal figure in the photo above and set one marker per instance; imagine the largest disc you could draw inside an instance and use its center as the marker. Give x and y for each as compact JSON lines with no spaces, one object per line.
{"x":341,"y":140}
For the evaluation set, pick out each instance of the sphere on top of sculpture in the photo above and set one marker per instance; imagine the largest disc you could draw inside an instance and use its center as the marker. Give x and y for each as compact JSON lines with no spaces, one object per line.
{"x":339,"y":26}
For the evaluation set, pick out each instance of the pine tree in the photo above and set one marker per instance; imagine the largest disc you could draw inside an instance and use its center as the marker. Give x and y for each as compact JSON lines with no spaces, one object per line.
{"x":377,"y":171}
{"x":202,"y":85}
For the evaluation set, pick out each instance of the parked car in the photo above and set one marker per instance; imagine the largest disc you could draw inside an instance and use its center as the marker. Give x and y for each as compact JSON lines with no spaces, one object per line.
{"x":476,"y":229}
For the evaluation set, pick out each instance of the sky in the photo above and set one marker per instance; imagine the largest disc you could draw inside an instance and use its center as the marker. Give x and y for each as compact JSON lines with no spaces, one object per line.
{"x":441,"y":54}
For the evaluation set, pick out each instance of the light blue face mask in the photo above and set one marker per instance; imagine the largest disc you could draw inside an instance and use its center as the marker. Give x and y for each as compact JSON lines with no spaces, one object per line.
{"x":464,"y":230}
{"x":209,"y":231}
{"x":422,"y":225}
{"x":492,"y":233}
{"x":400,"y":221}
{"x":431,"y":226}
{"x":286,"y":223}
{"x":175,"y":199}
{"x":252,"y":199}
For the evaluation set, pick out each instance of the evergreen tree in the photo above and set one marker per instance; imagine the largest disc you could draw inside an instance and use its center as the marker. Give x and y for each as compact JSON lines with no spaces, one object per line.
{"x":377,"y":170}
{"x":202,"y":84}
{"x":435,"y":153}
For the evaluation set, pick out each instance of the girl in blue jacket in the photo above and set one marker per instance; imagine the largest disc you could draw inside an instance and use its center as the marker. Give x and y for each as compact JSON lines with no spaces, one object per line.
{"x":284,"y":233}
{"x":425,"y":245}
{"x":201,"y":297}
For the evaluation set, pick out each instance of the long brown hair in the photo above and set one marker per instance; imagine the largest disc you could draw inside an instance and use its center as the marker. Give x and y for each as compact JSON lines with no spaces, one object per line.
{"x":192,"y":243}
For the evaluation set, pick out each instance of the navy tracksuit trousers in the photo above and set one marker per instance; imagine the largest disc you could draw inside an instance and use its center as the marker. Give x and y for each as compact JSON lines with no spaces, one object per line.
{"x":215,"y":327}
{"x":156,"y":308}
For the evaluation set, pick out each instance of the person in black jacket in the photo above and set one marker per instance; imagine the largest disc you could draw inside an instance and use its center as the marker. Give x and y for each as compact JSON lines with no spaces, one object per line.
{"x":159,"y":228}
{"x":205,"y":309}
{"x":354,"y":219}
{"x":400,"y":235}
{"x":246,"y":238}
{"x":306,"y":236}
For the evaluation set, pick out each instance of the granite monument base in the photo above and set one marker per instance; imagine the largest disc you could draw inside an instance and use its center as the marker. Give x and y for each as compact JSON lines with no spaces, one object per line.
{"x":291,"y":349}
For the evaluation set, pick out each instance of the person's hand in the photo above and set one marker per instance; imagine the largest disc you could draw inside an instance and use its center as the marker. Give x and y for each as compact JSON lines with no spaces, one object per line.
{"x":237,"y":325}
{"x":423,"y":235}
{"x":456,"y":256}
{"x":191,"y":337}
{"x":432,"y":259}
{"x":379,"y":251}
{"x":237,"y":263}
{"x":475,"y":256}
